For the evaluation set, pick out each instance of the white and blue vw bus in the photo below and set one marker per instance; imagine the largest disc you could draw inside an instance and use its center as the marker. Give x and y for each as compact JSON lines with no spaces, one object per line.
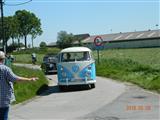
{"x":76,"y":66}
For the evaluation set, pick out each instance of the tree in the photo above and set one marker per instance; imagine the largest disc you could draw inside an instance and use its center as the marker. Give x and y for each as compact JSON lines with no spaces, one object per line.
{"x":29,"y":24}
{"x":13,"y":23}
{"x":42,"y":45}
{"x":79,"y":40}
{"x":34,"y":34}
{"x":10,"y":28}
{"x":37,"y":31}
{"x":64,"y":39}
{"x":14,"y":46}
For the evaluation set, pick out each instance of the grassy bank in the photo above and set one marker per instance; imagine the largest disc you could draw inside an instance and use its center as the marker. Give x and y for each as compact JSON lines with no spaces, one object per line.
{"x":139,"y":66}
{"x":27,"y":90}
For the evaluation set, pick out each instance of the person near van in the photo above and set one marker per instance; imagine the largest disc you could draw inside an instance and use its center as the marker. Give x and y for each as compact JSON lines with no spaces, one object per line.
{"x":11,"y":58}
{"x":7,"y":60}
{"x":34,"y":58}
{"x":85,"y":56}
{"x":7,"y":77}
{"x":68,"y":57}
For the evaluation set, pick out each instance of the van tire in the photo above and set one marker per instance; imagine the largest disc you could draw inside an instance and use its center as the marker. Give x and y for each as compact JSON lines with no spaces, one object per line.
{"x":61,"y":88}
{"x":93,"y":85}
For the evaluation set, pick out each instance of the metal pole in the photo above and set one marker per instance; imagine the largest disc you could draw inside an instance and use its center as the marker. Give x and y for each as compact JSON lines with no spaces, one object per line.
{"x":98,"y":55}
{"x":2,"y":26}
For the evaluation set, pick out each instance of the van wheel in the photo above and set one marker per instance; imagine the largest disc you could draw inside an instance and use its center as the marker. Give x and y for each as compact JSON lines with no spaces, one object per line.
{"x":92,"y":85}
{"x":61,"y":88}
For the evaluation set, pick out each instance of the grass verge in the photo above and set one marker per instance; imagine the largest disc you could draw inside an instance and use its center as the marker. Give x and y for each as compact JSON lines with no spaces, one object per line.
{"x":26,"y":90}
{"x":130,"y":71}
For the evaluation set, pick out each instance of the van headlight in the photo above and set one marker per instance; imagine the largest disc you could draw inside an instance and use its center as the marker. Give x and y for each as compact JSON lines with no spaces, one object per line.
{"x":64,"y":74}
{"x":89,"y":67}
{"x":62,"y":68}
{"x":88,"y":73}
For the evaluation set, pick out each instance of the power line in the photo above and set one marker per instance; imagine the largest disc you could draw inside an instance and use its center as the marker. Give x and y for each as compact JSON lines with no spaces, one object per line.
{"x":7,"y":4}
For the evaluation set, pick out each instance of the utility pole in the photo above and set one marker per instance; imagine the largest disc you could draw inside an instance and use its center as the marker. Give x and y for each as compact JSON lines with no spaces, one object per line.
{"x":2,"y":26}
{"x":157,"y":26}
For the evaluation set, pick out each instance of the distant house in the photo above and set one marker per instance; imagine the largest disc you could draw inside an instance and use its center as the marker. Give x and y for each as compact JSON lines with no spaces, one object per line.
{"x":141,"y":39}
{"x":52,"y":44}
{"x":81,"y":36}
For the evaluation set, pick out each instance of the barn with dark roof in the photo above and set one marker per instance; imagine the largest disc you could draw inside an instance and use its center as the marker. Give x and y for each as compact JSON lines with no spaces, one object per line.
{"x":141,"y":39}
{"x":138,"y":39}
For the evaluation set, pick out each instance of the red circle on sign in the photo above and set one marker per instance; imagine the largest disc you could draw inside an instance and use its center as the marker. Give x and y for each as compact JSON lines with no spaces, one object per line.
{"x":98,"y":41}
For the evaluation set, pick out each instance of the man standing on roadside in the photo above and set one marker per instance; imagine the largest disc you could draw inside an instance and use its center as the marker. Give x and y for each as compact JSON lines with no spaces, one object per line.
{"x":7,"y":77}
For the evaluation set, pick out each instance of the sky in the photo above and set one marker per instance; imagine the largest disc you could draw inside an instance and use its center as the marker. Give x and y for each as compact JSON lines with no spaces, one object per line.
{"x":89,"y":16}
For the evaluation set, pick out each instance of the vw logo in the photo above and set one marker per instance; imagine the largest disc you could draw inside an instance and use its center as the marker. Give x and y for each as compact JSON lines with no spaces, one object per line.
{"x":75,"y":68}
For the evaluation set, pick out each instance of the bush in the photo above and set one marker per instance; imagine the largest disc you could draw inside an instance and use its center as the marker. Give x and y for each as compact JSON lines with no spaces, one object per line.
{"x":43,"y":45}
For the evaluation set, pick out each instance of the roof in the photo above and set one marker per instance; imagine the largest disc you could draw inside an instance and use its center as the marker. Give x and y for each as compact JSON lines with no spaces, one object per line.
{"x":81,"y":36}
{"x":75,"y":49}
{"x":126,"y":36}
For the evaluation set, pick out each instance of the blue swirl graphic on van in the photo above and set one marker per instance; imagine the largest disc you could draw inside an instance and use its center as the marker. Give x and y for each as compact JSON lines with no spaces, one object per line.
{"x":88,"y":71}
{"x":64,"y":73}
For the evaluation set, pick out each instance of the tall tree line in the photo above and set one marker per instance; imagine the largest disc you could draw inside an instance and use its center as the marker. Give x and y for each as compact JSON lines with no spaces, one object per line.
{"x":22,"y":24}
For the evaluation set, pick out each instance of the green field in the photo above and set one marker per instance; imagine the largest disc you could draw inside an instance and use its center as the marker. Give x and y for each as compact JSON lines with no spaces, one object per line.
{"x":146,"y":56}
{"x":139,"y":66}
{"x":26,"y":58}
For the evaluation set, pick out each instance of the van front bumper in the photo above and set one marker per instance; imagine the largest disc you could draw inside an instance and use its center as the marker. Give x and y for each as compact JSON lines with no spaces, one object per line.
{"x":76,"y":82}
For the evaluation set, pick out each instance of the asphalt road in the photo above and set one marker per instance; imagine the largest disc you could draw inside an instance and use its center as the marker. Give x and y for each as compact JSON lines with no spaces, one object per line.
{"x":110,"y":100}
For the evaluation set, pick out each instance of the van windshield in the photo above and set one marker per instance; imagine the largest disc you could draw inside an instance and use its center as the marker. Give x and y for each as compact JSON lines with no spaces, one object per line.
{"x":75,"y":56}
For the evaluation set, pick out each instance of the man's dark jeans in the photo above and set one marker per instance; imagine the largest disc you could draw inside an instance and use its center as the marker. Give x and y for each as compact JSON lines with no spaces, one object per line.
{"x":4,"y":113}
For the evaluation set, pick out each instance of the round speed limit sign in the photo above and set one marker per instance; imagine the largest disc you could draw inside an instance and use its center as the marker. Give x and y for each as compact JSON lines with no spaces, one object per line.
{"x":98,"y":41}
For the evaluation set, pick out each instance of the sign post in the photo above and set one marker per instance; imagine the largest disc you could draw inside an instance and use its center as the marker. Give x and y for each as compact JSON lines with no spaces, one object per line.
{"x":98,"y":41}
{"x":98,"y":55}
